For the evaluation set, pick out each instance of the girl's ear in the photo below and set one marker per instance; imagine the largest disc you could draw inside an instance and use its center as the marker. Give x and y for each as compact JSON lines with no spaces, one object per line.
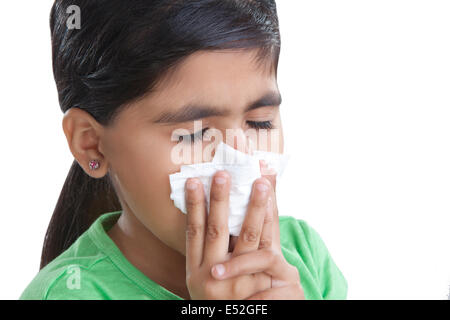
{"x":83,"y":134}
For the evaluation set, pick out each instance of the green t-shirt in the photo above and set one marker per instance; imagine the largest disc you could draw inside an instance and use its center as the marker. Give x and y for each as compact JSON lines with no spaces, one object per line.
{"x":93,"y":267}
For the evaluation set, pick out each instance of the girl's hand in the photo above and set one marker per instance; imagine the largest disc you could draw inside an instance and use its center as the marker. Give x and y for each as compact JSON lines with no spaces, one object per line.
{"x":256,"y":268}
{"x":207,"y":239}
{"x":285,"y":280}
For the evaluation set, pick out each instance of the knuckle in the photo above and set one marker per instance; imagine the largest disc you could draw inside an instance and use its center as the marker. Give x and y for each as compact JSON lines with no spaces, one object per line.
{"x":218,"y":194}
{"x":214,"y":231}
{"x":265,"y":243}
{"x":237,"y":288}
{"x":271,"y":255}
{"x":268,"y":218}
{"x":251,"y":234}
{"x":193,"y":230}
{"x":192,"y":201}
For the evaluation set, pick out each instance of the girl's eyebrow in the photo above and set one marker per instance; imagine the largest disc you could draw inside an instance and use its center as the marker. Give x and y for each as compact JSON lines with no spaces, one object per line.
{"x":193,"y":111}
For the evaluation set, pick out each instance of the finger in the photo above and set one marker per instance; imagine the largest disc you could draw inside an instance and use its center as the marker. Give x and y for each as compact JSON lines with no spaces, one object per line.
{"x":264,"y":260}
{"x":270,"y":175}
{"x":195,"y":223}
{"x":275,"y":220}
{"x":280,"y":293}
{"x":262,"y":281}
{"x":217,"y":234}
{"x":251,"y":230}
{"x":265,"y":240}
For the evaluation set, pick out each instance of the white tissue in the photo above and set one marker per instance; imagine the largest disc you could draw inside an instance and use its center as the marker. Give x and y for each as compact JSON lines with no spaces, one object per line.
{"x":243,"y":168}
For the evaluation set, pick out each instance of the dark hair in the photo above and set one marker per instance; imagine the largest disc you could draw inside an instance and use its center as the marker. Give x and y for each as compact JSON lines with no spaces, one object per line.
{"x":121,"y":51}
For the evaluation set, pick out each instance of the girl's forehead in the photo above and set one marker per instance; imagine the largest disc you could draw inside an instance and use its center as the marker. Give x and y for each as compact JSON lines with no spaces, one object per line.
{"x":215,"y":68}
{"x":226,"y":81}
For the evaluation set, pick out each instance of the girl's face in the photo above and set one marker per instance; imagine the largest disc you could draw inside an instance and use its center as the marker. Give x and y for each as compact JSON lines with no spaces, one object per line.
{"x":138,"y":147}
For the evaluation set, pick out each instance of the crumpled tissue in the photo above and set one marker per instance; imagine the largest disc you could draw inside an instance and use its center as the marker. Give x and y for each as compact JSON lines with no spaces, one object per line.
{"x":243,"y":168}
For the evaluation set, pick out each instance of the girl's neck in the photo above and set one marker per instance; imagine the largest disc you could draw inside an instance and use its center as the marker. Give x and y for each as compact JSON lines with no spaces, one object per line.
{"x":160,"y":263}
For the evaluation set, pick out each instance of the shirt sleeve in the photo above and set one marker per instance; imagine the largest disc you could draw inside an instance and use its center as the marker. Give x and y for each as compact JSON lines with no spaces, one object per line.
{"x":76,"y":283}
{"x":331,"y":280}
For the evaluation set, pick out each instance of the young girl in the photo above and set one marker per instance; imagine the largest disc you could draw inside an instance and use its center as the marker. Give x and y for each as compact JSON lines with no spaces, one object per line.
{"x":128,"y":76}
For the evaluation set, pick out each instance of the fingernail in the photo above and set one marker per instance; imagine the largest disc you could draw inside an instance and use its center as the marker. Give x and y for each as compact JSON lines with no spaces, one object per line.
{"x":191,"y":185}
{"x":220,"y":179}
{"x":219,"y":269}
{"x":262,"y":187}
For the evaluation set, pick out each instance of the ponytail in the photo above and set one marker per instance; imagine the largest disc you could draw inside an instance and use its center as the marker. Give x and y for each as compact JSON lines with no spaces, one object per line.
{"x":82,"y":200}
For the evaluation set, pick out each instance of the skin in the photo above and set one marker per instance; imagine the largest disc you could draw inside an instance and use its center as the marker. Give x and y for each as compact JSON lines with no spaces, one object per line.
{"x":151,"y":232}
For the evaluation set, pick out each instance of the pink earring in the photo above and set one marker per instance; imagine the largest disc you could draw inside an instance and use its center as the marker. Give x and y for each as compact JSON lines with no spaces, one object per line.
{"x":94,"y":164}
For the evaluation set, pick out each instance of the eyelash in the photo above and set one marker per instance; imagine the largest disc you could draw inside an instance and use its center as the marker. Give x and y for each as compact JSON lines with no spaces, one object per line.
{"x":193,"y":137}
{"x":268,"y":125}
{"x":261,"y":124}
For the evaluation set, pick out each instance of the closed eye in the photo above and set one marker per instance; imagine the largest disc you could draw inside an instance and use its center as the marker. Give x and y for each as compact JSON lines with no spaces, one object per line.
{"x":260,"y":124}
{"x":191,"y":138}
{"x":198,"y":136}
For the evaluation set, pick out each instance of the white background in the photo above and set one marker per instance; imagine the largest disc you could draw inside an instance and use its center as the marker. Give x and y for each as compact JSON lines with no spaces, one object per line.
{"x":366,"y":111}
